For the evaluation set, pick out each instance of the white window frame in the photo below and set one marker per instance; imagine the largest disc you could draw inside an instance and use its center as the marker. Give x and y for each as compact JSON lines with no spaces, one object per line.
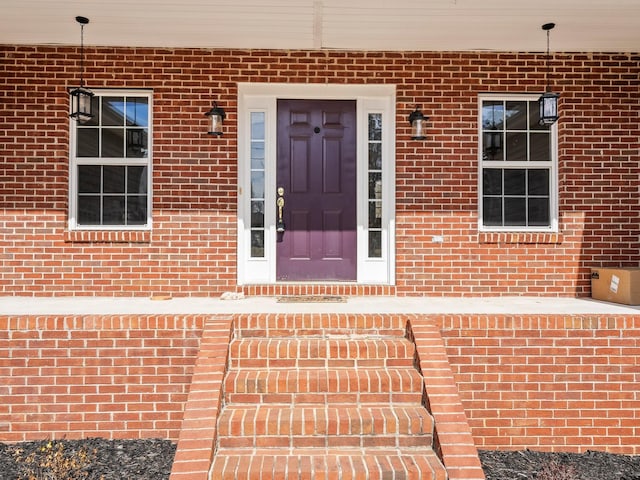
{"x":75,"y":161}
{"x":552,"y":166}
{"x":262,"y":97}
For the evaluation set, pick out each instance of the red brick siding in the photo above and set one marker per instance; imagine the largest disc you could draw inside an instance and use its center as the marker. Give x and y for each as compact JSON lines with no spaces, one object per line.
{"x":115,"y":377}
{"x":191,"y":249}
{"x":565,"y":383}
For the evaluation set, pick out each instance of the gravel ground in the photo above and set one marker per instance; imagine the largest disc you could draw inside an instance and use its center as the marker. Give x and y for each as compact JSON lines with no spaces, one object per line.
{"x":101,"y":459}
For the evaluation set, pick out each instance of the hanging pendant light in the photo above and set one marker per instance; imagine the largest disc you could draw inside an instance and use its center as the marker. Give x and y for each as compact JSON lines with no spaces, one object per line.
{"x":548,"y":102}
{"x":81,"y":97}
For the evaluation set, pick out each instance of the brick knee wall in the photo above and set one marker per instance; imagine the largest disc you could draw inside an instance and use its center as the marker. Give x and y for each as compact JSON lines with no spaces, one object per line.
{"x":564,"y":383}
{"x":549,"y":382}
{"x":83,"y":376}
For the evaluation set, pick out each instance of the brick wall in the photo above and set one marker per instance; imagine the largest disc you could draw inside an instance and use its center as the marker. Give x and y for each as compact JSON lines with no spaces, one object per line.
{"x":77,"y":377}
{"x":564,"y":383}
{"x":191,"y":249}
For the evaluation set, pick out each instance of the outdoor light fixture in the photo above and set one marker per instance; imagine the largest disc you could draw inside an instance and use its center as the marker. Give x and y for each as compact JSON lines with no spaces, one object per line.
{"x":548,"y":101}
{"x":81,"y":98}
{"x":418,"y":124}
{"x":216,"y":117}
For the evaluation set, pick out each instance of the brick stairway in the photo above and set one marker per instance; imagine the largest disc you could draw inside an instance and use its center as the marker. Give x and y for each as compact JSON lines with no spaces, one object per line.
{"x":323,"y":397}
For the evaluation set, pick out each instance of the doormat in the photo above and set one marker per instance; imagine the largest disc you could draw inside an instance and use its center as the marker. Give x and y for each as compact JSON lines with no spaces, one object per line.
{"x":312,"y":299}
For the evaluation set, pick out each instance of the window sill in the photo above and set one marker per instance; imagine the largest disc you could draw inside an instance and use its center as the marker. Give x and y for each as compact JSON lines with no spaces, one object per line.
{"x":522,"y":238}
{"x":108,"y":236}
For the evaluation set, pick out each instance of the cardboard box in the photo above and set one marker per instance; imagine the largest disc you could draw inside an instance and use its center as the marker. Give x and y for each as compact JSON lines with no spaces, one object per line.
{"x":619,"y":285}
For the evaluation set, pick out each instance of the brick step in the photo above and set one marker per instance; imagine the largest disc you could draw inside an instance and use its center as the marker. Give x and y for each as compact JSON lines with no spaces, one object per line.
{"x":312,"y":385}
{"x":296,"y":325}
{"x":337,"y":464}
{"x":321,"y":426}
{"x":353,"y":352}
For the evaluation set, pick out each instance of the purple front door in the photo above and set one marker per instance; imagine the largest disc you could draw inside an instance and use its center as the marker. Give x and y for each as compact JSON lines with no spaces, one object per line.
{"x":316,"y":184}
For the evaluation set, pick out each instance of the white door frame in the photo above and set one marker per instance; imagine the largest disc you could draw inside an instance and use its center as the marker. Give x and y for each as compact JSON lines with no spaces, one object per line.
{"x":370,"y":99}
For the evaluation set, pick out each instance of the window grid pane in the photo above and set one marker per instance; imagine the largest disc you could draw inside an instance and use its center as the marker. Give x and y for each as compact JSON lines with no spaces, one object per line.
{"x":110,"y":190}
{"x":258,"y":145}
{"x":515,"y":193}
{"x":112,"y":195}
{"x":375,"y":185}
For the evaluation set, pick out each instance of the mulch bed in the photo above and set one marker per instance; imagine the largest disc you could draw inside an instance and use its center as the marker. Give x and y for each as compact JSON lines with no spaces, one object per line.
{"x":90,"y":459}
{"x":534,"y":465}
{"x":151,"y":459}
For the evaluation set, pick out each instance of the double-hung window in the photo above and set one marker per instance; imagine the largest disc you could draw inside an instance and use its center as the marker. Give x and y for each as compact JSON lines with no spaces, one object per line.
{"x":110,"y":171}
{"x":518,"y":164}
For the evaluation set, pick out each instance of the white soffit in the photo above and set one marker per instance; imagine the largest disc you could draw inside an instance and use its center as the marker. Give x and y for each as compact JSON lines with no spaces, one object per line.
{"x":420,"y":25}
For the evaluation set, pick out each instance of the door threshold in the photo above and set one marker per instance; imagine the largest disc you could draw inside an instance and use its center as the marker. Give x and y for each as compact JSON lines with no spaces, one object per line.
{"x":320,"y":288}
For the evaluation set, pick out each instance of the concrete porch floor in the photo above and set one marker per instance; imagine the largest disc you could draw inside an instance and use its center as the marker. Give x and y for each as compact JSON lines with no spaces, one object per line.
{"x":22,"y":305}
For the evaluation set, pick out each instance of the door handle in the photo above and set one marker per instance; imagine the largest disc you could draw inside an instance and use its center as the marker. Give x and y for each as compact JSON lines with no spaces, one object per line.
{"x":280,"y":205}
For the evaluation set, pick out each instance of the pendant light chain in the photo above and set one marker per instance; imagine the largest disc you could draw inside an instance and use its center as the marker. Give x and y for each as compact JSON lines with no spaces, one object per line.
{"x":82,"y":55}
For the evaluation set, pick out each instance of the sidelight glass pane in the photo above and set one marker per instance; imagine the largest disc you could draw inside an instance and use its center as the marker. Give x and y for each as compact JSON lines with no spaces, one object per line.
{"x":257,"y":155}
{"x":375,"y":217}
{"x":258,"y":146}
{"x":257,"y":126}
{"x":257,"y":243}
{"x":375,"y":186}
{"x":375,"y":127}
{"x":375,"y":156}
{"x":257,"y":214}
{"x":375,"y":244}
{"x":257,"y":184}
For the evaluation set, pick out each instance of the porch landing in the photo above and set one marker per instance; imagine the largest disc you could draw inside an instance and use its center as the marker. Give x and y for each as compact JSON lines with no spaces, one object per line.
{"x":80,"y":305}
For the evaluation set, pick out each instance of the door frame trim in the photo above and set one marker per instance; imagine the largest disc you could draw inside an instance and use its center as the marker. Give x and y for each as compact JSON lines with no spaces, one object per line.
{"x":262,"y":97}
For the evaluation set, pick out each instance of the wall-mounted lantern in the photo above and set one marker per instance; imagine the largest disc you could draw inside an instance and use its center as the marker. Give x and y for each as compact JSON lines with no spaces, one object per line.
{"x":548,"y":101}
{"x":418,"y":122}
{"x":216,"y":119}
{"x":81,"y":97}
